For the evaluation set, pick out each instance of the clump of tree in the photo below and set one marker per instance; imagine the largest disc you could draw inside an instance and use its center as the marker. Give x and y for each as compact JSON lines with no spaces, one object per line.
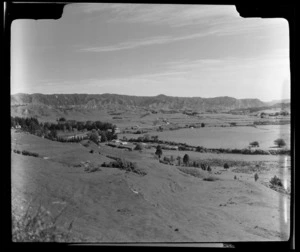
{"x":49,"y":130}
{"x":158,"y":151}
{"x":29,"y":124}
{"x":124,"y":165}
{"x":275,"y":181}
{"x":94,"y":136}
{"x":139,"y":147}
{"x":61,"y":119}
{"x":186,"y":159}
{"x":280,"y":142}
{"x":254,"y":144}
{"x":203,"y":167}
{"x":17,"y":151}
{"x":226,"y":166}
{"x":200,"y":149}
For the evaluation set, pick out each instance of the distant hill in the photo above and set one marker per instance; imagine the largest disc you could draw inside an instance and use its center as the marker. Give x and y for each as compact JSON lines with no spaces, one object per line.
{"x":114,"y":101}
{"x":276,"y":106}
{"x":83,"y":105}
{"x":274,"y":102}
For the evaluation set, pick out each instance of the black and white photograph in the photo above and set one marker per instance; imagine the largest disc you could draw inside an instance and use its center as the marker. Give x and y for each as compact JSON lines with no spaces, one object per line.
{"x":138,"y":123}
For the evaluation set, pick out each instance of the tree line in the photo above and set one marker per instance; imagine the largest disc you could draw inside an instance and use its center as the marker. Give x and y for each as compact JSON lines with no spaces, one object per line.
{"x":49,"y":130}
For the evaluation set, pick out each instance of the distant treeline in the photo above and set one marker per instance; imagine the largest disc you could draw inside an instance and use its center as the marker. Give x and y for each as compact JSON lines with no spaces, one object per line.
{"x":186,"y":147}
{"x":49,"y":130}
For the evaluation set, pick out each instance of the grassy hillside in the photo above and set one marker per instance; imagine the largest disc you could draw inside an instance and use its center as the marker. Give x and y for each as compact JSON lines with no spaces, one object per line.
{"x":168,"y":204}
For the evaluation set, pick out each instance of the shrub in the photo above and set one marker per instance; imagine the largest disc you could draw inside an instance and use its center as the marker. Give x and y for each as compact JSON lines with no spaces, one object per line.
{"x":226,"y":166}
{"x":17,"y":151}
{"x":158,"y":151}
{"x":186,"y":159}
{"x":280,"y":142}
{"x":275,"y":181}
{"x":254,"y":144}
{"x":28,"y":153}
{"x":139,"y":147}
{"x":199,"y":149}
{"x":256,"y":177}
{"x":203,"y":167}
{"x":210,"y":178}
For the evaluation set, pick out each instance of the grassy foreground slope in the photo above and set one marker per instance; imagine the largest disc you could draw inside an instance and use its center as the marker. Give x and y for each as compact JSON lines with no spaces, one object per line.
{"x":166,"y":205}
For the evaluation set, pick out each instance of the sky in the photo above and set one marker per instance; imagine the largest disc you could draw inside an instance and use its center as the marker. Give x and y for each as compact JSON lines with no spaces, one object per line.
{"x":151,"y":49}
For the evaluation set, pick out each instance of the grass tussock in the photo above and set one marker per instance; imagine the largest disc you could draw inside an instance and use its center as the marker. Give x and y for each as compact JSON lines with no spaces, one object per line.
{"x":39,"y":226}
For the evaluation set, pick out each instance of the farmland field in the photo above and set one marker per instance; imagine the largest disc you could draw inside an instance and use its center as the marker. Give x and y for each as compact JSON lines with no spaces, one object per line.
{"x":107,"y":204}
{"x":111,"y":205}
{"x":227,"y":137}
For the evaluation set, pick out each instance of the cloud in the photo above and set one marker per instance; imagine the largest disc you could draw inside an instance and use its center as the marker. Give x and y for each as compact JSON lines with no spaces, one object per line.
{"x":159,"y":14}
{"x":260,"y":77}
{"x":130,"y":44}
{"x":149,"y":41}
{"x":277,"y":58}
{"x":178,"y":15}
{"x":207,"y":20}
